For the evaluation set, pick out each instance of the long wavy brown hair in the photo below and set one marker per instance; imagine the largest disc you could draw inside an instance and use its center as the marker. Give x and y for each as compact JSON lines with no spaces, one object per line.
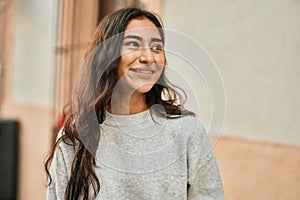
{"x":104,"y":58}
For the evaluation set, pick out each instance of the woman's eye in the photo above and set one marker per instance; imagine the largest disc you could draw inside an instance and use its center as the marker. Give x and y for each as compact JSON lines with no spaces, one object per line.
{"x":157,"y":47}
{"x":132,"y":44}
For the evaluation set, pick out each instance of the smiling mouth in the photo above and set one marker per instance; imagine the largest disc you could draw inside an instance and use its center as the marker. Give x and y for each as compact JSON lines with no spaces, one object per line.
{"x":142,"y":71}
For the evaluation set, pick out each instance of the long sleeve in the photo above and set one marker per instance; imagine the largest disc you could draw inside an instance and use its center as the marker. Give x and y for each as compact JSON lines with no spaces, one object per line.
{"x":58,"y":171}
{"x":204,"y":181}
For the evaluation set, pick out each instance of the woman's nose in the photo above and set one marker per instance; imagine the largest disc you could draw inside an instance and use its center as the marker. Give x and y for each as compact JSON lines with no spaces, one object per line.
{"x":146,"y":55}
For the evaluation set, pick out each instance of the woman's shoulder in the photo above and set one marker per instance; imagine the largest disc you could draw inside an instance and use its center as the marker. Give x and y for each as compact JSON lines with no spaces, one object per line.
{"x":66,"y":146}
{"x":188,"y":121}
{"x":189,"y":125}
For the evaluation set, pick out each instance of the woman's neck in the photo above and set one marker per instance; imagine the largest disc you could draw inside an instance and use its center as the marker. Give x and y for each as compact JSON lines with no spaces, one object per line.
{"x":124,"y":104}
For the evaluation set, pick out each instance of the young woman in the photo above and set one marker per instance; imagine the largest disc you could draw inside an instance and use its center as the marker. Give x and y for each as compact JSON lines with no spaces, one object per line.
{"x":142,"y":143}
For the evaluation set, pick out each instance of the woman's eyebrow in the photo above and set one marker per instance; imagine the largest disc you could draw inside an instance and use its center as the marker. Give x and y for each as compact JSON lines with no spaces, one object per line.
{"x":141,"y":39}
{"x":156,"y":40}
{"x":133,"y":37}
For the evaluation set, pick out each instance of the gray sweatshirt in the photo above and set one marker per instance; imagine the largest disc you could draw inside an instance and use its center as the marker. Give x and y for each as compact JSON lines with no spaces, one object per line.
{"x":143,"y":156}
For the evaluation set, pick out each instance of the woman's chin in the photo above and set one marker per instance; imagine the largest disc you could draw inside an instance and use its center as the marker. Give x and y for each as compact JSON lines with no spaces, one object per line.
{"x":144,"y":88}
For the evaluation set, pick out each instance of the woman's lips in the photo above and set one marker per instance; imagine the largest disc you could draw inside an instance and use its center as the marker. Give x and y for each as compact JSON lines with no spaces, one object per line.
{"x":142,"y":73}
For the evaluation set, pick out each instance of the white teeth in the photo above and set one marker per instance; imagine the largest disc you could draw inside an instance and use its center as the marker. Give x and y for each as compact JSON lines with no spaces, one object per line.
{"x":142,"y":71}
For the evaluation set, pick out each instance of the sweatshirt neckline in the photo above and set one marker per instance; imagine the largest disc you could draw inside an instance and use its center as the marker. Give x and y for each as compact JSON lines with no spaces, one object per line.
{"x":138,"y":118}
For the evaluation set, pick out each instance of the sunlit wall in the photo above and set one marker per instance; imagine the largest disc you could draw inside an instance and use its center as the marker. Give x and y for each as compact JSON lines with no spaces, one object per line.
{"x":256,"y":46}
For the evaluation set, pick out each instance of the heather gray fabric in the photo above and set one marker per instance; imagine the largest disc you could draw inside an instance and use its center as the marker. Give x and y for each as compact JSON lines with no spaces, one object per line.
{"x":147,"y":157}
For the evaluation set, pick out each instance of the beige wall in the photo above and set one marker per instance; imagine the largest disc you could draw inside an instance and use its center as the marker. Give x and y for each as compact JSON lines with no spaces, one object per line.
{"x":36,"y":123}
{"x":29,"y":64}
{"x":256,"y":46}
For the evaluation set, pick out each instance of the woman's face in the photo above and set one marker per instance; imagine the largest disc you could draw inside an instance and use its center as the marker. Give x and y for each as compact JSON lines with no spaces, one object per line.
{"x":142,"y":56}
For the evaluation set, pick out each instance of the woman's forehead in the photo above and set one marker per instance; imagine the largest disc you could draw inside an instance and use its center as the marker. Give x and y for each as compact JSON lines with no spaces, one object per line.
{"x":142,"y":27}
